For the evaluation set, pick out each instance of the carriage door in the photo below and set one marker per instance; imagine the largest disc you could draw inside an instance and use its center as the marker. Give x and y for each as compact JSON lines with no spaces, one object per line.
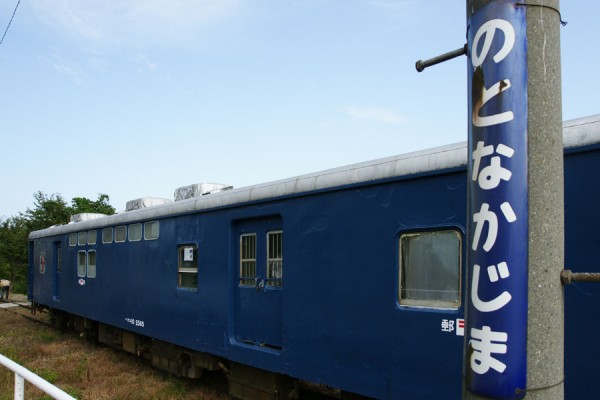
{"x":258,"y":282}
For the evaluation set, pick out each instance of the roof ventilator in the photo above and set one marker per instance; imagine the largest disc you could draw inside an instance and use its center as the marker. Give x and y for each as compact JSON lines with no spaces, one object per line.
{"x":199,"y":189}
{"x":145,"y":202}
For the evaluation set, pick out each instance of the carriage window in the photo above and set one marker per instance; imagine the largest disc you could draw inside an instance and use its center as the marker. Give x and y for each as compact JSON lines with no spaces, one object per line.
{"x":107,"y":235}
{"x":248,"y":259}
{"x":151,"y":230}
{"x":73,"y":239}
{"x":81,"y":264}
{"x":430,"y":269}
{"x":81,"y":238}
{"x":91,"y":264}
{"x":188,"y":267}
{"x":275,"y":258}
{"x":91,"y":237}
{"x":120,"y":233}
{"x":135,"y":232}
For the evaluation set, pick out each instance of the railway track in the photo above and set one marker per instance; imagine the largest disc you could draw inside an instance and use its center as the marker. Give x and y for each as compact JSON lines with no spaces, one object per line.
{"x":25,"y":310}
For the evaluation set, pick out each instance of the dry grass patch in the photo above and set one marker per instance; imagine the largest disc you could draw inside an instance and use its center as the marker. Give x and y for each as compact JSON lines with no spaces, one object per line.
{"x":87,"y":370}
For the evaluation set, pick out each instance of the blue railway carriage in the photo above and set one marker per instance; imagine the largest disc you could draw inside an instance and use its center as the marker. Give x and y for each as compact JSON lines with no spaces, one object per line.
{"x":351,"y":278}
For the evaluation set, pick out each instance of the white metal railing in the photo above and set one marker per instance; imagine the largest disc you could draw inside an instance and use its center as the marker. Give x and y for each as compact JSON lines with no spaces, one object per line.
{"x":22,"y":374}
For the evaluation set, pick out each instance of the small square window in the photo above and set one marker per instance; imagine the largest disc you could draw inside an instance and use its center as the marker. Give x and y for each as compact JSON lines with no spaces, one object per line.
{"x":73,"y":239}
{"x":151,"y":230}
{"x":107,"y":235}
{"x":135,"y":232}
{"x":81,"y":240}
{"x":430,"y":269}
{"x":120,"y":234}
{"x":91,"y":237}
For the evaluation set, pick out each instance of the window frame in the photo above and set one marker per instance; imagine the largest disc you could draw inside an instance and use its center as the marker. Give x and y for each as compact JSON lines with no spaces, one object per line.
{"x":134,"y":232}
{"x":81,"y":273}
{"x":247,"y":263}
{"x":432,"y":303}
{"x":187,"y":271}
{"x":151,"y":223}
{"x":82,"y":238}
{"x":112,"y":234}
{"x":92,"y":237}
{"x":89,"y":264}
{"x":118,"y":229}
{"x":273,"y":281}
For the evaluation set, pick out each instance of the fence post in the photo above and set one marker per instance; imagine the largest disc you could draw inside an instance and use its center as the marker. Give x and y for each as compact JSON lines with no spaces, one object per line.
{"x":19,"y":387}
{"x":22,"y":373}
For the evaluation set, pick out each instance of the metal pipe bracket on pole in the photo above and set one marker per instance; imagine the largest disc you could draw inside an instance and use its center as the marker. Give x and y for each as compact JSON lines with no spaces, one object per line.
{"x":567,"y":276}
{"x":420,"y":65}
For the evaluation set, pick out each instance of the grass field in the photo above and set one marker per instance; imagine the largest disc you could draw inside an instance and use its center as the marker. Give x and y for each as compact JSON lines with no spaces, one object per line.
{"x":86,"y":370}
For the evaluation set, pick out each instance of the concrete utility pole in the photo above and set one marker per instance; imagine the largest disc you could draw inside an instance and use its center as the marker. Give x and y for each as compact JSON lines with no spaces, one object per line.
{"x":496,"y":109}
{"x":545,"y":342}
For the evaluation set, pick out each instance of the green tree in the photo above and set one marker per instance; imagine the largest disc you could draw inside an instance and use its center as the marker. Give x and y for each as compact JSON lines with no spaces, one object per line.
{"x":53,"y":210}
{"x":47,"y":211}
{"x":13,"y":251}
{"x":84,"y":205}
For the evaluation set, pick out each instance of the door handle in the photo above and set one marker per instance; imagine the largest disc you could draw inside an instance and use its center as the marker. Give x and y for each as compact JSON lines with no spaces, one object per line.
{"x":259,"y":284}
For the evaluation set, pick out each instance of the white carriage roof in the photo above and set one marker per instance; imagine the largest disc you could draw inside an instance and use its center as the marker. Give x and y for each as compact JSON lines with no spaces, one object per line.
{"x":578,"y":132}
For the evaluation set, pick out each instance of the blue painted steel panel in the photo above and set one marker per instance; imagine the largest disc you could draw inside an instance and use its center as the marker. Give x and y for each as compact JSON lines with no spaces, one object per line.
{"x":582,"y":252}
{"x":496,"y":363}
{"x":341,"y":322}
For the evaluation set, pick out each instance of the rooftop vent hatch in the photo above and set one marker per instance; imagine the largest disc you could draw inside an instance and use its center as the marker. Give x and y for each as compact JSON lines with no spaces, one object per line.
{"x":85,"y":217}
{"x":199,"y":189}
{"x":145,"y":202}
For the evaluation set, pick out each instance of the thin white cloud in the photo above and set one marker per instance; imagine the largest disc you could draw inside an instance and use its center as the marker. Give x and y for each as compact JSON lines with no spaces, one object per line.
{"x":99,"y":63}
{"x":374,"y":114}
{"x":72,"y":71}
{"x":144,"y":62}
{"x":111,"y":23}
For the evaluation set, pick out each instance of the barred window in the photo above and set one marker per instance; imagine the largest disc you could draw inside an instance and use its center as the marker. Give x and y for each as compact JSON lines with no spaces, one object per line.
{"x":275,"y":258}
{"x":248,"y":259}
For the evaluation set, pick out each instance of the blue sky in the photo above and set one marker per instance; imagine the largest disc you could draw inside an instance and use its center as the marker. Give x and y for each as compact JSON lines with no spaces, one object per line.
{"x":134,"y":98}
